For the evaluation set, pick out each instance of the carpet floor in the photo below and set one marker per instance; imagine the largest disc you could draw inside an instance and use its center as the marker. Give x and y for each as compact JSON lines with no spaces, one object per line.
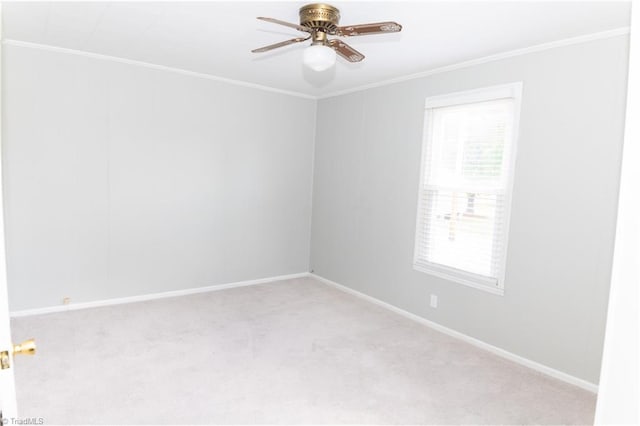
{"x":295,"y":351}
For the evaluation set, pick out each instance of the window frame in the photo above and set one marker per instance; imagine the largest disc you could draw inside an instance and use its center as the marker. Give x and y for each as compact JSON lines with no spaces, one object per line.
{"x":509,"y":90}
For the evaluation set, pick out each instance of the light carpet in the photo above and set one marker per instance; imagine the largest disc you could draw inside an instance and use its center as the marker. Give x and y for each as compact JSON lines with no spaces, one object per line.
{"x":295,"y":351}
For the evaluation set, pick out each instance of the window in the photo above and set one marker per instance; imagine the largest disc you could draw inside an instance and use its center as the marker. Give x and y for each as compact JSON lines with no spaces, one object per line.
{"x":465,"y":186}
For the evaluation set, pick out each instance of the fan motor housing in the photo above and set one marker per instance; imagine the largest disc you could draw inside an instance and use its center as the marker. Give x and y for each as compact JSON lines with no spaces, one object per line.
{"x":320,"y":16}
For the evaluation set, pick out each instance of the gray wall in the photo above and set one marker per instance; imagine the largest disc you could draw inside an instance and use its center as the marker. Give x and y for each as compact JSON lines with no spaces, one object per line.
{"x":123,"y":180}
{"x":367,"y":163}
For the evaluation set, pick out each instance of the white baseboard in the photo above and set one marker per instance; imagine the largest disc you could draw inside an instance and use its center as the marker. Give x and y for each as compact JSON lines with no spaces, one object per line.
{"x":475,"y":342}
{"x":153,"y":296}
{"x":478,"y":343}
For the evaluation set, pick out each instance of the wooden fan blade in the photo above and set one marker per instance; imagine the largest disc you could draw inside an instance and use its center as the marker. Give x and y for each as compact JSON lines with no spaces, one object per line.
{"x":346,"y":51}
{"x":366,"y":29}
{"x":281,"y":44}
{"x":286,"y":24}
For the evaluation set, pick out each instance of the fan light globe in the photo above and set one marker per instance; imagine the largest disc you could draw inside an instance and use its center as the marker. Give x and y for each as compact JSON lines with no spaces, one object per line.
{"x":319,"y":57}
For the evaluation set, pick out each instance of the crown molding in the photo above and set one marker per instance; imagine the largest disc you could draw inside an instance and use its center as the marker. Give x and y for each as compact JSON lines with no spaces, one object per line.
{"x":496,"y":57}
{"x":46,"y":47}
{"x":465,"y":64}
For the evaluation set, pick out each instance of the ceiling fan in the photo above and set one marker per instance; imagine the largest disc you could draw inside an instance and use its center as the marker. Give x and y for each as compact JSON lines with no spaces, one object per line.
{"x":321,"y":20}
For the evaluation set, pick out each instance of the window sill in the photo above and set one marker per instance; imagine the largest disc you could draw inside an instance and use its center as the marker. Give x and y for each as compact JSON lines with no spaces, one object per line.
{"x":452,"y":275}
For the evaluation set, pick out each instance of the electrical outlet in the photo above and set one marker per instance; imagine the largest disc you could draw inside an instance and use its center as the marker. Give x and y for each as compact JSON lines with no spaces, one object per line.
{"x":66,"y":300}
{"x":434,"y":301}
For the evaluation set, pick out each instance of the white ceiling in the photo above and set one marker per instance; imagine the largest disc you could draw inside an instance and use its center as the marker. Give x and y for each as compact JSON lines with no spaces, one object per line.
{"x":216,"y":37}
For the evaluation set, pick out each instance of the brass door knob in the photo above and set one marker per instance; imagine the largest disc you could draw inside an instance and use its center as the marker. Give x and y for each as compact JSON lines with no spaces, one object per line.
{"x":28,"y":347}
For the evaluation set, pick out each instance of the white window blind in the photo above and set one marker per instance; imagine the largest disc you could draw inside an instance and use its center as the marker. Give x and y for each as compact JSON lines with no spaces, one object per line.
{"x":465,"y":186}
